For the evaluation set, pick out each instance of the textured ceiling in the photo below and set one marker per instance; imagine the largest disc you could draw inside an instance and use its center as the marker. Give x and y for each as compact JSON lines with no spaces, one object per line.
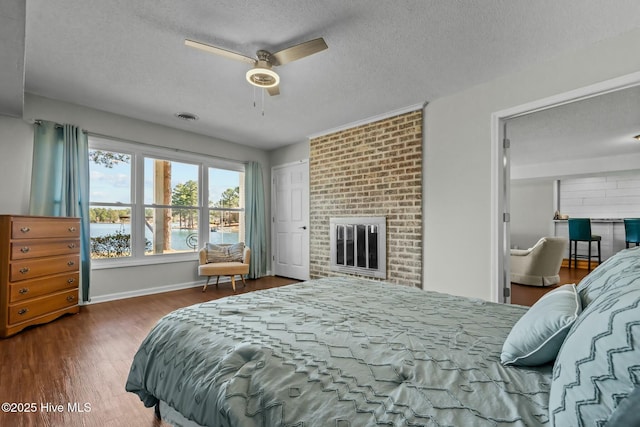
{"x":128,"y":57}
{"x":597,"y":127}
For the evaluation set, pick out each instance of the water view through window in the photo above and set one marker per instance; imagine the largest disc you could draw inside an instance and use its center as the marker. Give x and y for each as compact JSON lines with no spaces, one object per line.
{"x":167,"y":217}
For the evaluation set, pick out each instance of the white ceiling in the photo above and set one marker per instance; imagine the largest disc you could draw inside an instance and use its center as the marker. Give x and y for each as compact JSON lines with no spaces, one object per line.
{"x":598,"y":127}
{"x":128,"y":57}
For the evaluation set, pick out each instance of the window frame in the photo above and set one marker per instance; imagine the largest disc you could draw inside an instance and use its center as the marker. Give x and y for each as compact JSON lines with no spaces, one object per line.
{"x":138,"y":152}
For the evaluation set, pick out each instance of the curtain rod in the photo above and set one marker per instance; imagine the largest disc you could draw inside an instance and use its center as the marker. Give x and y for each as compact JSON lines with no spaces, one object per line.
{"x":57,"y":126}
{"x":131,"y":141}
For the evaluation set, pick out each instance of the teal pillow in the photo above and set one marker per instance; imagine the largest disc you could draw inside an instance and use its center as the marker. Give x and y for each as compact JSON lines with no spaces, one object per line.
{"x":599,"y":362}
{"x":626,"y":413}
{"x":618,"y":269}
{"x":536,"y":338}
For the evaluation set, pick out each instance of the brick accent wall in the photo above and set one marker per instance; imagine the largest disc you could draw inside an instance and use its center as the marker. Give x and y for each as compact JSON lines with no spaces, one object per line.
{"x":370,"y":170}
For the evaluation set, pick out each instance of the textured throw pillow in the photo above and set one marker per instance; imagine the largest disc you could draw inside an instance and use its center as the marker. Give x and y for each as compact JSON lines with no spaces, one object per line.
{"x":536,"y":338}
{"x":627,"y":413}
{"x":236,"y":251}
{"x":610,"y":274}
{"x":225,"y":252}
{"x":599,"y":363}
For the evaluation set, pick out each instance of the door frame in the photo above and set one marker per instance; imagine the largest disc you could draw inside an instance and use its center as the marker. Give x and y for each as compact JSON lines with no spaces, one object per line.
{"x":274,"y":241}
{"x":499,"y":259}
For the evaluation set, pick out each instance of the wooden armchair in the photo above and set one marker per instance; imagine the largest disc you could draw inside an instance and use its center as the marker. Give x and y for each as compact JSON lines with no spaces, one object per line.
{"x":215,"y":260}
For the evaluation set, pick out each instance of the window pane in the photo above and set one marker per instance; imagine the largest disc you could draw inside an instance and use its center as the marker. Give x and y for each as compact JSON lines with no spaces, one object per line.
{"x":224,"y":226}
{"x":170,"y":230}
{"x":170,"y":183}
{"x":224,"y":188}
{"x":110,"y":176}
{"x":110,"y":232}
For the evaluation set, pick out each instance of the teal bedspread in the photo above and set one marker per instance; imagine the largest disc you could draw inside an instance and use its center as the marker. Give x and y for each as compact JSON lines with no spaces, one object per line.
{"x":340,"y":352}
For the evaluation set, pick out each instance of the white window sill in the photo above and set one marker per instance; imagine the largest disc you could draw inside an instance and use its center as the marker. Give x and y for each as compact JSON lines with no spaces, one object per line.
{"x":102,"y":264}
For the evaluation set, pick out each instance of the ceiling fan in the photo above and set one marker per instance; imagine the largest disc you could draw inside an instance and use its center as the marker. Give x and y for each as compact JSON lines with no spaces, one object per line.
{"x":262,"y":75}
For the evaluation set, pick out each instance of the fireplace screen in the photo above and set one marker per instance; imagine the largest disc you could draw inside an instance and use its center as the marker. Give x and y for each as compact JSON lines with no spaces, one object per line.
{"x":358,"y":246}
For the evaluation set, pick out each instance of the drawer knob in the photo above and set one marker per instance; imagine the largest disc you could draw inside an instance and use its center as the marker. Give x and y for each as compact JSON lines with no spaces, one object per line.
{"x":71,"y":280}
{"x":23,"y":311}
{"x":23,"y":291}
{"x":70,"y":298}
{"x":70,"y":263}
{"x":24,"y":270}
{"x":25,"y":250}
{"x":72,"y":245}
{"x":25,"y":229}
{"x":72,"y":229}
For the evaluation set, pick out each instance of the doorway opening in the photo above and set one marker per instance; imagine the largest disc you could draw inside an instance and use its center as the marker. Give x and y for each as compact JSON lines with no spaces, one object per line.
{"x":501,"y":171}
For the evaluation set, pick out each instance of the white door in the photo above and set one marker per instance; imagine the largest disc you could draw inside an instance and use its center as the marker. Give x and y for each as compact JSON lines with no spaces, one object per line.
{"x":290,"y":221}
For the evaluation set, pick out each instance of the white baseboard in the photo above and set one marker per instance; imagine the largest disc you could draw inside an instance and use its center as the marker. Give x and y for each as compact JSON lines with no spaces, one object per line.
{"x":150,"y":291}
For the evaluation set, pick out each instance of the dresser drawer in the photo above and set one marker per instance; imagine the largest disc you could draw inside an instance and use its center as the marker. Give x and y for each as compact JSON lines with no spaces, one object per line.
{"x":26,"y":289}
{"x":39,"y":248}
{"x":23,"y":311}
{"x":36,"y":228}
{"x":30,"y":268}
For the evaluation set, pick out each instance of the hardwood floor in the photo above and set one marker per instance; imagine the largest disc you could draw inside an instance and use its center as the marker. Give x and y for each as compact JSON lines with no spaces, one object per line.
{"x":82,"y":361}
{"x":528,"y":295}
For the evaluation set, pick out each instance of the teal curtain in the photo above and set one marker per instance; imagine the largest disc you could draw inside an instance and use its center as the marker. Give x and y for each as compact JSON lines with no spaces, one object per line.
{"x":60,"y":182}
{"x":255,"y":229}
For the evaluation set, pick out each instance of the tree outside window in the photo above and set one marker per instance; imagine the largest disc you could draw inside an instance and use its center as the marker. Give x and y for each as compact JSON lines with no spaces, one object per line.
{"x":142,"y":206}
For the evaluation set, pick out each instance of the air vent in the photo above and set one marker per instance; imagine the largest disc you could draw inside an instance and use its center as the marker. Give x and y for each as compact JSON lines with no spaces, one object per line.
{"x":187,"y":117}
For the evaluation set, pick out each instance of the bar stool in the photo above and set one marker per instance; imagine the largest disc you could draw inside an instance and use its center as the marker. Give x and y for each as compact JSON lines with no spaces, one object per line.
{"x":632,"y":231}
{"x":580,"y":231}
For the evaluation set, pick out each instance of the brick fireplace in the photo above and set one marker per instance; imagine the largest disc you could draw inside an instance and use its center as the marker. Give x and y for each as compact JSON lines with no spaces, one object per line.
{"x":372,"y":170}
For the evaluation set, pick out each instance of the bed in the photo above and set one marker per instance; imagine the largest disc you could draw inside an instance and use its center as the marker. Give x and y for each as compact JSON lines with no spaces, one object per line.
{"x":347,"y":351}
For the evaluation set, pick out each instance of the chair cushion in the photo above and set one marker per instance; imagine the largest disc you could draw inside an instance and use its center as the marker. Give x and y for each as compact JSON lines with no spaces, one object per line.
{"x":223,"y":269}
{"x":225,"y":252}
{"x":536,"y":338}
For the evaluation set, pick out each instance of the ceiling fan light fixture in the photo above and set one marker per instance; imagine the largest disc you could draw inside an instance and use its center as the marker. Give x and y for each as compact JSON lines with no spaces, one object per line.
{"x":637,"y":137}
{"x":263,"y":77}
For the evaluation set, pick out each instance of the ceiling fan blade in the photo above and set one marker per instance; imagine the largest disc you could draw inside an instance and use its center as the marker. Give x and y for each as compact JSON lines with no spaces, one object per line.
{"x":273,"y":90}
{"x":299,"y":51}
{"x":219,"y":51}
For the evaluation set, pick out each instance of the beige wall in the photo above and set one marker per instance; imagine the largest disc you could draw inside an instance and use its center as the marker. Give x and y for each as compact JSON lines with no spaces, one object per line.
{"x":16,"y":152}
{"x":532,"y":209}
{"x":458,"y":207}
{"x":16,"y":147}
{"x":289,"y":154}
{"x":370,"y":170}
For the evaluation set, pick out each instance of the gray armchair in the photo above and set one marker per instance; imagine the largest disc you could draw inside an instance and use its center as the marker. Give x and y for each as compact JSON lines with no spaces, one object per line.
{"x":540,"y":264}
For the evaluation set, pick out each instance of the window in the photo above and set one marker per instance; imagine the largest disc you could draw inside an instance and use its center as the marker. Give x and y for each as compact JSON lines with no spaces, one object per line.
{"x":226,"y":202}
{"x":171,"y":206}
{"x":110,"y":204}
{"x":147,"y":203}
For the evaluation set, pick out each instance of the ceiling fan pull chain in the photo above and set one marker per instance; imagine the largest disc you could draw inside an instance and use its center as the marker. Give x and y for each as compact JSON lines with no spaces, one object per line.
{"x":254,"y":97}
{"x":262,"y":101}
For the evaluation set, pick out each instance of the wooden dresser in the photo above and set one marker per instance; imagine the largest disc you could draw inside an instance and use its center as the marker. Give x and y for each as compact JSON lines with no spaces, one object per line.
{"x":39,"y":269}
